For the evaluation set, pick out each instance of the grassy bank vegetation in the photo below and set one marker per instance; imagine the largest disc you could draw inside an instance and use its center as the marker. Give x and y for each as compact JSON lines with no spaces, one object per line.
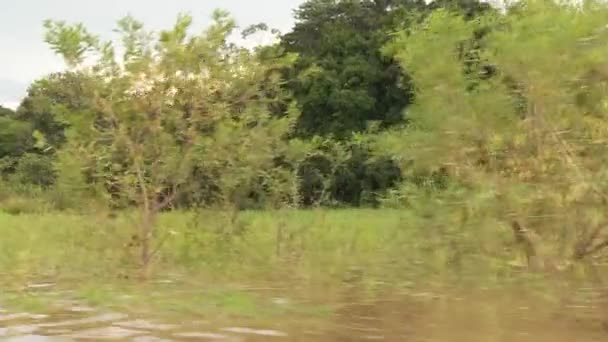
{"x":465,"y":150}
{"x":312,"y":255}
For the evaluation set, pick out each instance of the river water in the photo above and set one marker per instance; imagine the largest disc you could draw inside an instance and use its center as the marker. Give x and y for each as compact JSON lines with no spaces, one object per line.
{"x":488,"y":316}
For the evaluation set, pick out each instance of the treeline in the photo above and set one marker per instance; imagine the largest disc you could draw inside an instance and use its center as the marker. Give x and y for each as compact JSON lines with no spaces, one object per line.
{"x":362,"y":103}
{"x":337,"y":78}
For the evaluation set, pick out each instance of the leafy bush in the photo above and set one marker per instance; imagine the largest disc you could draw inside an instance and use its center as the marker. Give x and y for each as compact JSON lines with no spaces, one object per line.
{"x":35,"y":169}
{"x":537,"y":165}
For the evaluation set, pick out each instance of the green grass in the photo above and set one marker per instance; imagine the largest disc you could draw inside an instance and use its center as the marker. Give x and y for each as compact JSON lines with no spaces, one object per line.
{"x":213,"y":266}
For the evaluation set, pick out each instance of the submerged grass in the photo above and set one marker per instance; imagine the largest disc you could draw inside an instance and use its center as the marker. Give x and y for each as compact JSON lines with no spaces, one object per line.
{"x":307,"y":246}
{"x":257,"y":264}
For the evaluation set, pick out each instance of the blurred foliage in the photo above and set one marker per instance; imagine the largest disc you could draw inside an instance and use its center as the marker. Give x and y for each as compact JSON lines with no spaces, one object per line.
{"x":15,"y":137}
{"x":341,"y":80}
{"x":472,"y":118}
{"x":6,"y":112}
{"x":35,"y":169}
{"x":527,"y":155}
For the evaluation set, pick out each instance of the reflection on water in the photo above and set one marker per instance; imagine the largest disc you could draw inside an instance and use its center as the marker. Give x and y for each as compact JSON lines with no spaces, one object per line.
{"x":421,"y":316}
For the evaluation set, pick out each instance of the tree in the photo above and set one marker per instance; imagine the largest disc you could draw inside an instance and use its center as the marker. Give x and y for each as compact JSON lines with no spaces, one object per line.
{"x":35,"y":169}
{"x":15,"y":137}
{"x":30,"y":136}
{"x":6,"y":112}
{"x":342,"y":81}
{"x":23,"y":158}
{"x":469,"y":9}
{"x":534,"y":168}
{"x":345,"y":173}
{"x":345,"y":85}
{"x":54,"y":101}
{"x":173,"y":104}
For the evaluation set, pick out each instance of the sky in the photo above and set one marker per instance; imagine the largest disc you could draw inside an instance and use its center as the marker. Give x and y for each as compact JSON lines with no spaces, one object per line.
{"x":25,"y":57}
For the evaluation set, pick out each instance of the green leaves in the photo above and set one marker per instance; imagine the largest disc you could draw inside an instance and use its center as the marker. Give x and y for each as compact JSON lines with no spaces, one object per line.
{"x":179,"y":103}
{"x":341,"y":80}
{"x":134,"y":39}
{"x":40,"y":140}
{"x":525,"y":141}
{"x":72,"y":42}
{"x":15,"y":137}
{"x":6,"y":112}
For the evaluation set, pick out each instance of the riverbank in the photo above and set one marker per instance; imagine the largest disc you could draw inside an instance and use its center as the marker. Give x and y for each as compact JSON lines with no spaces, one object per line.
{"x":289,"y":271}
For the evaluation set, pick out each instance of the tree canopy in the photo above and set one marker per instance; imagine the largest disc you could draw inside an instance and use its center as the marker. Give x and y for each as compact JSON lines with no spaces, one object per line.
{"x":334,"y":86}
{"x":342,"y":81}
{"x":492,"y":117}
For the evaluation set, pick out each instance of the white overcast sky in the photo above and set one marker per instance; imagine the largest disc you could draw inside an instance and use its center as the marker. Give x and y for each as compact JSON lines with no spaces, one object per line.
{"x":24,"y":56}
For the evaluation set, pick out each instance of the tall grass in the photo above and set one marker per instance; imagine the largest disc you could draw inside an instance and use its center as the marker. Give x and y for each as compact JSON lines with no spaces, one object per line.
{"x":209,"y":262}
{"x":316,"y":247}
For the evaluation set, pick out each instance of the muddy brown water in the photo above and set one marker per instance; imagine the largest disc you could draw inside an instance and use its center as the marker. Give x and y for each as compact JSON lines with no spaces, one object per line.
{"x":423,"y":316}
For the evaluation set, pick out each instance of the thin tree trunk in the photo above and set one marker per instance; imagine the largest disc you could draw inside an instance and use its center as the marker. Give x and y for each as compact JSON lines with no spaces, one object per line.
{"x":150,"y":211}
{"x":279,"y":239}
{"x":146,"y":230}
{"x":523,"y":239}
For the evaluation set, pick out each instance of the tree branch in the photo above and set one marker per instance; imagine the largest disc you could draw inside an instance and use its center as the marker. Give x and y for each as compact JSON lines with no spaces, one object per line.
{"x":167,"y":200}
{"x":521,"y":237}
{"x":582,"y":249}
{"x":157,"y":248}
{"x":597,"y":248}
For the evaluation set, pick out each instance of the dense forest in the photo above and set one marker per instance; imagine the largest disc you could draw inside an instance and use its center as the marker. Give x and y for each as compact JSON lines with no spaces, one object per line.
{"x":325,"y":87}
